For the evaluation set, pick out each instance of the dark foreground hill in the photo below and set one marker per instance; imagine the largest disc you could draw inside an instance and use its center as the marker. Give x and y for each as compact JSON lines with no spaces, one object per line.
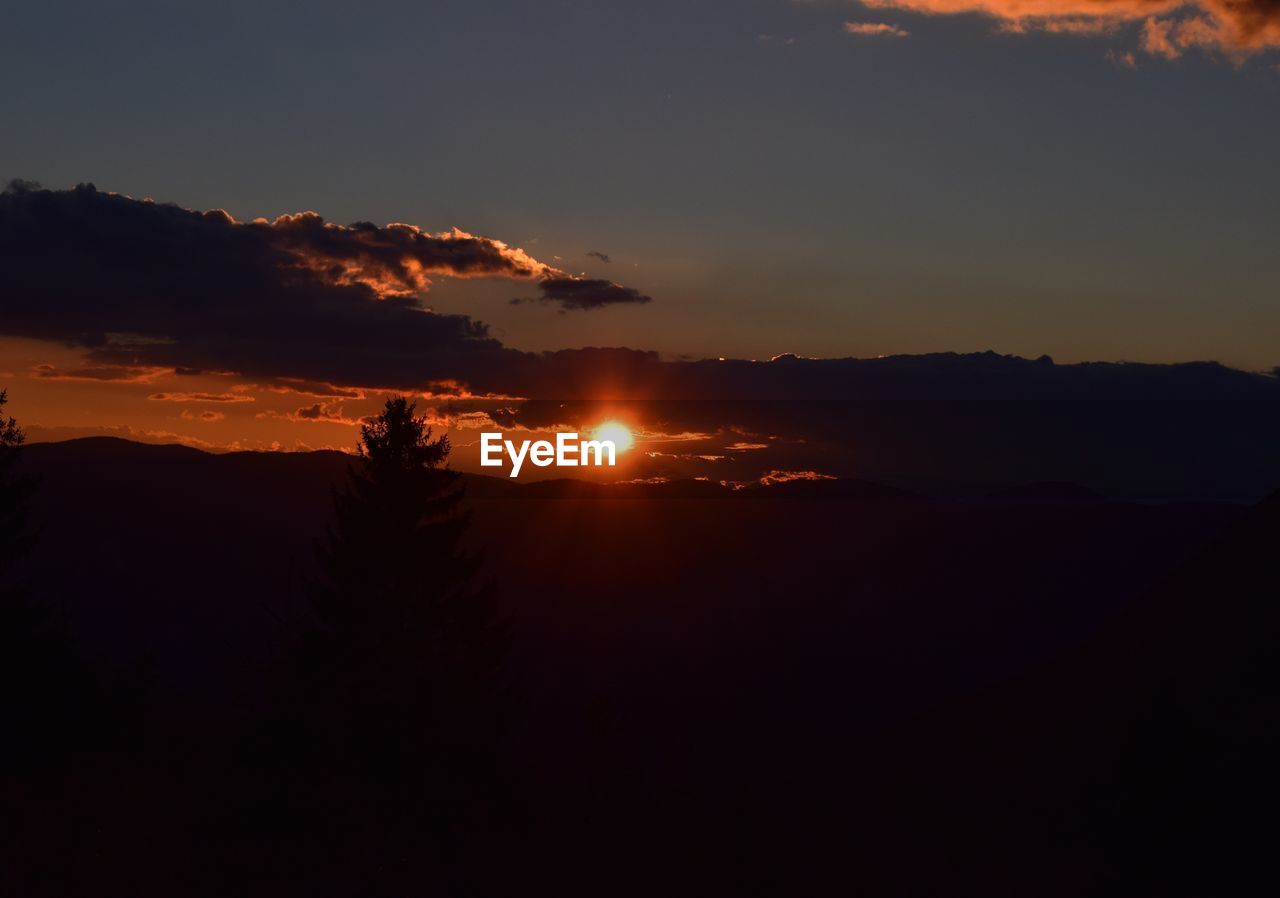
{"x":1141,"y":763}
{"x":724,"y":693}
{"x":187,"y":556}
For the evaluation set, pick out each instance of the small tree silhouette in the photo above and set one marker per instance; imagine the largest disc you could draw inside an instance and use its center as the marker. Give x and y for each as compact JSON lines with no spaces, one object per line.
{"x":14,"y":495}
{"x":19,"y":617}
{"x":40,"y":678}
{"x":402,"y":661}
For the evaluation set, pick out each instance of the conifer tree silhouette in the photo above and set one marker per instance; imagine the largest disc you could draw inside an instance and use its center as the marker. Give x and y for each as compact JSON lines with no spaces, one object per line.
{"x":14,"y":493}
{"x":38,"y":670}
{"x":20,"y":619}
{"x":403,"y":657}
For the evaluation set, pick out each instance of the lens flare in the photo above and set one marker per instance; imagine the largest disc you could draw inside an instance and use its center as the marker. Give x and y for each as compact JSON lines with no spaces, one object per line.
{"x":617,"y":433}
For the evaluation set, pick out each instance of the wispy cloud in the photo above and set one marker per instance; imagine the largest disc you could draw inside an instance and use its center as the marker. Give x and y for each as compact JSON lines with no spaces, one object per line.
{"x":207,"y":415}
{"x":200,"y":397}
{"x":1122,"y":59}
{"x":875,"y":29}
{"x":111,"y":373}
{"x":317,"y":413}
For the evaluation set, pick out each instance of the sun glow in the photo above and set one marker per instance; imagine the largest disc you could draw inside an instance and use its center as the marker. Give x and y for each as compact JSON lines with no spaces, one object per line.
{"x":617,"y":433}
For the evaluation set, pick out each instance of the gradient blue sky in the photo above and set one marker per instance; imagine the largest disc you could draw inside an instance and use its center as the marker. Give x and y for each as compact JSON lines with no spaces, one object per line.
{"x":814,"y":191}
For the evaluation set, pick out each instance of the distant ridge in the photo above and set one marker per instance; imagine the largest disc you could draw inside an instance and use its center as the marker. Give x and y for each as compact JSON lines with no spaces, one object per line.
{"x":325,"y":464}
{"x":1050,"y":491}
{"x":840,"y":488}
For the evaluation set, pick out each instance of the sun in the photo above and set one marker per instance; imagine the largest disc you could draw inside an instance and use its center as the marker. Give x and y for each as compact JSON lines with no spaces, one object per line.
{"x":617,"y":433}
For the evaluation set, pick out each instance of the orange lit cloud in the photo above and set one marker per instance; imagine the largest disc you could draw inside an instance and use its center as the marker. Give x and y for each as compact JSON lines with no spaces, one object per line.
{"x":207,"y":415}
{"x":300,"y":387}
{"x":875,"y":29}
{"x":1236,"y":28}
{"x":398,"y":259}
{"x":787,"y":476}
{"x":318,"y":413}
{"x":775,"y":477}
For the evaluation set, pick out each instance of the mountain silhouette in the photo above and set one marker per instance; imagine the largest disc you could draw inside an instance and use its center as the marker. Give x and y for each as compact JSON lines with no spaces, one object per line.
{"x":817,"y":683}
{"x":1050,"y":491}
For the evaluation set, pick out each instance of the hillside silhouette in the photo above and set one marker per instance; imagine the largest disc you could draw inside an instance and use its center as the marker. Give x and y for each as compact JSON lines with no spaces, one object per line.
{"x":806,"y":683}
{"x":1141,"y":762}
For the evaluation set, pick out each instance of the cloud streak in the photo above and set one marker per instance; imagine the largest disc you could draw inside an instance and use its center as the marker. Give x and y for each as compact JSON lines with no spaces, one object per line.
{"x":1236,"y":28}
{"x":208,"y":416}
{"x":121,"y":374}
{"x":875,"y":29}
{"x":586,"y":293}
{"x":200,"y":397}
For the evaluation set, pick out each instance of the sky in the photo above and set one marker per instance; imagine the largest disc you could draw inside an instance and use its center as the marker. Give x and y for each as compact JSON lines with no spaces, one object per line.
{"x":1087,"y":180}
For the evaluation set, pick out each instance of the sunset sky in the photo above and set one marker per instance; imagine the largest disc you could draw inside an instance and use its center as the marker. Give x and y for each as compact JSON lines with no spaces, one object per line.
{"x":1094,"y":181}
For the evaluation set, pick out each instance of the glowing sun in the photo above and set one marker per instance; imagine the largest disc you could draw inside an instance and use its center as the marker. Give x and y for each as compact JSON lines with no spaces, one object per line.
{"x":617,"y":433}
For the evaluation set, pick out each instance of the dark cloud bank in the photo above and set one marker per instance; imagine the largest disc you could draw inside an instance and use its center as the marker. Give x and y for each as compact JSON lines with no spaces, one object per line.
{"x":139,"y":284}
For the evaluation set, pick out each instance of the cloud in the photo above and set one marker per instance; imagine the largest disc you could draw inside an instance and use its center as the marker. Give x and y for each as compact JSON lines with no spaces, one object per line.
{"x":207,"y":415}
{"x":111,"y":373}
{"x":142,"y":284}
{"x":395,"y":260}
{"x":874,"y":29}
{"x":585,"y":293}
{"x":1077,"y":25}
{"x":1171,"y":37}
{"x":787,"y":476}
{"x":317,"y":413}
{"x":1158,"y":39}
{"x":1236,"y":28}
{"x":596,"y":254}
{"x":307,"y":388}
{"x":1122,"y":60}
{"x":200,"y":397}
